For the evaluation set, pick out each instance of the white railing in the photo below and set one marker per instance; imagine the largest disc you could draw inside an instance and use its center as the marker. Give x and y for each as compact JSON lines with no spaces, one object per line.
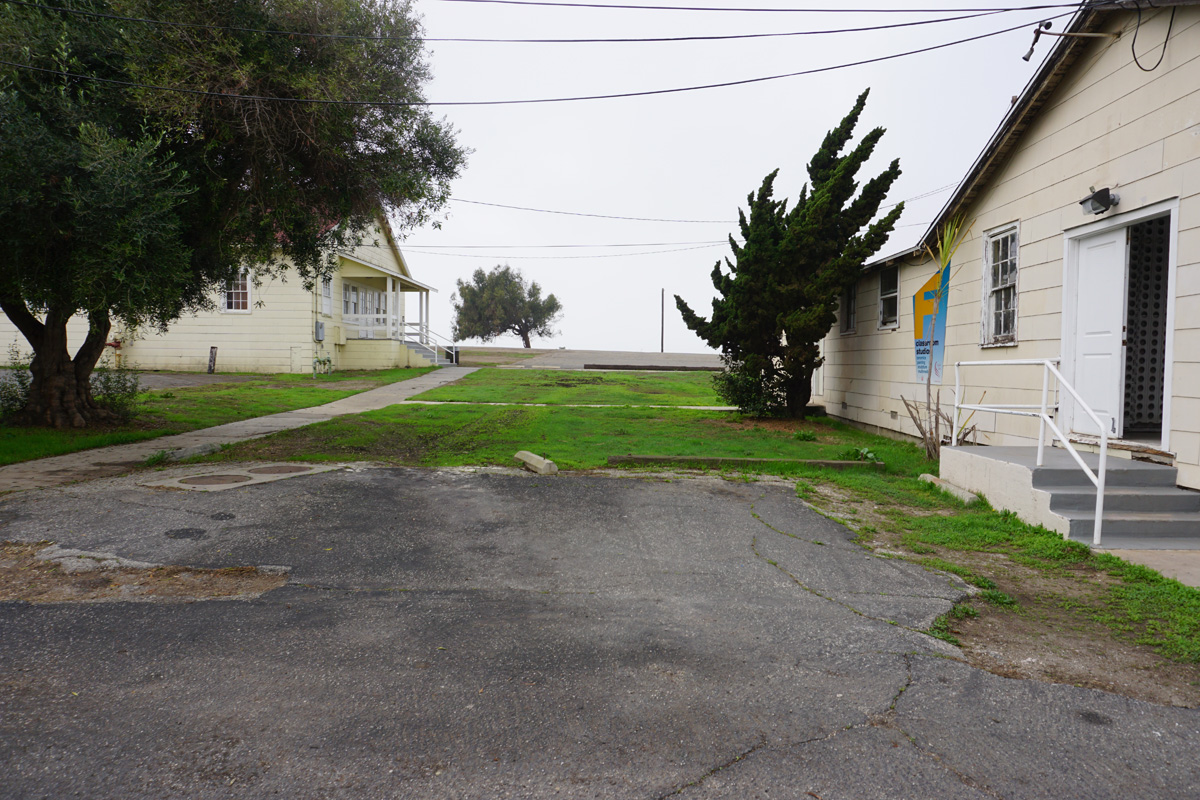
{"x":369,"y":326}
{"x":1043,"y":412}
{"x":419,"y":333}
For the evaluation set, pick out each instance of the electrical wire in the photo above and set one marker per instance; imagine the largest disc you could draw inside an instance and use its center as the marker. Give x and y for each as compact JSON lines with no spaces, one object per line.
{"x":705,"y":243}
{"x":598,"y":216}
{"x":660,"y":219}
{"x":638,"y":7}
{"x":534,"y":101}
{"x":479,"y":40}
{"x":506,"y":257}
{"x":1133,"y":44}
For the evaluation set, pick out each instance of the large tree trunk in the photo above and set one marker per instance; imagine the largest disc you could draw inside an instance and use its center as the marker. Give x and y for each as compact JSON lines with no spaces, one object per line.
{"x":60,"y":394}
{"x":799,"y":392}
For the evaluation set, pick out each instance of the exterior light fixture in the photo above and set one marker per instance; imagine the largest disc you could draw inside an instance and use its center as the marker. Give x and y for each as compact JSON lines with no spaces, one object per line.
{"x":1099,"y":201}
{"x":1043,"y":28}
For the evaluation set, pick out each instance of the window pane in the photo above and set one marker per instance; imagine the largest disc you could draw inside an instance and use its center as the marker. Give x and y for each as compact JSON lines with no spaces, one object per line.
{"x":888,"y":281}
{"x":237,"y":294}
{"x":887,"y":310}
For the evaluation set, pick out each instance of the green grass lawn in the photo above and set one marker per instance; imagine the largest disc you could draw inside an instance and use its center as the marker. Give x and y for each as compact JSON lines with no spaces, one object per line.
{"x":566,"y":387}
{"x":169,"y":411}
{"x":574,"y":438}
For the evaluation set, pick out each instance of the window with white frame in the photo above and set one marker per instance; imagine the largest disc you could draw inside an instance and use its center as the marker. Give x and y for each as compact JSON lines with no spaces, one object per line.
{"x":849,"y":308}
{"x":1000,"y":266}
{"x":235,"y":299}
{"x":349,"y":299}
{"x":327,"y":296}
{"x":889,"y":298}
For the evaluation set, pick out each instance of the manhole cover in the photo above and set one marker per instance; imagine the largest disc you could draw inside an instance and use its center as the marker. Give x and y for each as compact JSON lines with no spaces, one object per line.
{"x":215,"y":480}
{"x":282,"y":469}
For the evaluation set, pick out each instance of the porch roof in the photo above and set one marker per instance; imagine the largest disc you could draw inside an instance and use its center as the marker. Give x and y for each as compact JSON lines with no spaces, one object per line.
{"x":362,"y":269}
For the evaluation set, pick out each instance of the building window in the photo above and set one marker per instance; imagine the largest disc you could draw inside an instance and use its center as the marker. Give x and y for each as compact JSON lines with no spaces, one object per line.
{"x":236,"y":296}
{"x":327,"y":296}
{"x":349,"y":299}
{"x":889,"y":298}
{"x":1000,"y":267}
{"x":849,"y":308}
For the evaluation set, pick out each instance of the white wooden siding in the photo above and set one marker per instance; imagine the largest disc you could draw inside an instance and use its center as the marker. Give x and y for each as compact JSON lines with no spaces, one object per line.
{"x":1108,"y":124}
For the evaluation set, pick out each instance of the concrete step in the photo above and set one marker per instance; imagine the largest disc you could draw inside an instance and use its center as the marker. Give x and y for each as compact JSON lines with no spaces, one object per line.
{"x":1120,"y":473}
{"x":1163,"y":499}
{"x":1127,"y":528}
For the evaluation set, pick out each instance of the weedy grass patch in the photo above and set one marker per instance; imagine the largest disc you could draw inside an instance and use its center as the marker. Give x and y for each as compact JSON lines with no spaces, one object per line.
{"x":560,"y":387}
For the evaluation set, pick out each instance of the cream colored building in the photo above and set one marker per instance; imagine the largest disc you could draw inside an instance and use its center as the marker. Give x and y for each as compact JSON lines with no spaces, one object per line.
{"x":371,"y":314}
{"x":1113,"y":297}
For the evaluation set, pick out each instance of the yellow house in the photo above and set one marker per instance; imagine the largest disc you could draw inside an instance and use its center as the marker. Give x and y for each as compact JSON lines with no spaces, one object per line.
{"x":356,"y":319}
{"x":1082,"y":265}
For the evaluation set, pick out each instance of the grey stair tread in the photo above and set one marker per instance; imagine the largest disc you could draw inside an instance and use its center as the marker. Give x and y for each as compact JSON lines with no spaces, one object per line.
{"x":1120,"y":541}
{"x":1143,"y":498}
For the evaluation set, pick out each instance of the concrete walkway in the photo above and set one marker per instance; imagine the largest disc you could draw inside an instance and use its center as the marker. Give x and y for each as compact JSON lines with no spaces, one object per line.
{"x":105,"y":462}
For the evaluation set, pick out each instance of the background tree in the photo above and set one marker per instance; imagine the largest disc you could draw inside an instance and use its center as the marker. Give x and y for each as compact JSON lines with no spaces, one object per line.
{"x":499,"y":302}
{"x":119,"y":200}
{"x":778,"y":296}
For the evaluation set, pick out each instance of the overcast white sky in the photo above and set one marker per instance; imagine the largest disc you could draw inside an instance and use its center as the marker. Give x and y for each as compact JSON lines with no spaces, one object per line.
{"x":690,"y":155}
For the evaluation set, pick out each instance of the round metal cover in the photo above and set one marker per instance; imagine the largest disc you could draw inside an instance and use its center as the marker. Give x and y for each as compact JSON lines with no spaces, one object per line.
{"x":215,"y":480}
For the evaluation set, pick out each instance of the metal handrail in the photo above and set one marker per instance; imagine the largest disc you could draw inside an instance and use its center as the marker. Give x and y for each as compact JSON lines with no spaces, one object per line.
{"x":1049,"y":369}
{"x":432,"y":340}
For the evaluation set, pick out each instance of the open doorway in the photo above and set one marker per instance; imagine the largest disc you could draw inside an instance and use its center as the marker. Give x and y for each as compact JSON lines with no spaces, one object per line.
{"x":1146,"y":330}
{"x":1117,"y":325}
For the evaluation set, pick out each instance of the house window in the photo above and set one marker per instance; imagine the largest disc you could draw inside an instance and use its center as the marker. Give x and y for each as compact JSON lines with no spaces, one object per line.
{"x":236,"y":296}
{"x":349,"y":299}
{"x":327,"y":296}
{"x":849,"y":308}
{"x":889,"y":298}
{"x":1000,"y":251}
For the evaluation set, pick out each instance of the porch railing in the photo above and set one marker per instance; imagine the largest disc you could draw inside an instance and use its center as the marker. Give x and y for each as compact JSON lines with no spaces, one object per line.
{"x":1044,"y":412}
{"x":419,"y":333}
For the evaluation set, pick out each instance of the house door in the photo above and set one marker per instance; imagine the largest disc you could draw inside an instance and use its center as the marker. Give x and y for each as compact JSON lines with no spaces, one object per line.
{"x":1121,"y":329}
{"x":1099,"y":330}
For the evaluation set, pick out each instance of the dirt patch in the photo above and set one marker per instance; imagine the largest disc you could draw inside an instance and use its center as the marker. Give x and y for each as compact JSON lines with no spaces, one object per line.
{"x":24,"y":577}
{"x":1051,"y":635}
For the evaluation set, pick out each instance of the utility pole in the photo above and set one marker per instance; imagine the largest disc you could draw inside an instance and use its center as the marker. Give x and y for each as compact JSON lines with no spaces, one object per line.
{"x":662,"y":331}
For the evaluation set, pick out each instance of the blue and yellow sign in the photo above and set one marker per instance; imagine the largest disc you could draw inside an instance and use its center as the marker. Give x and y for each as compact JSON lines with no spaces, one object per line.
{"x":929,"y":324}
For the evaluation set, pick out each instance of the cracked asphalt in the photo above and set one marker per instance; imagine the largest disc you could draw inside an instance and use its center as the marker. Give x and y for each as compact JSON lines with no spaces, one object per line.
{"x":457,"y":634}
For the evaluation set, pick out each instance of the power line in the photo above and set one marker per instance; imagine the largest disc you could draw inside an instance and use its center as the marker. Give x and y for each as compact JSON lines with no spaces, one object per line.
{"x":637,"y":7}
{"x":707,"y":243}
{"x":661,"y":219}
{"x":557,"y":258}
{"x":615,"y":96}
{"x":481,"y":40}
{"x":598,"y":216}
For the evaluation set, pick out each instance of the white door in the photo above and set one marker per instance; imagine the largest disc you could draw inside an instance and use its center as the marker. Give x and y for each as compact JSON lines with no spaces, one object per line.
{"x":1099,"y":330}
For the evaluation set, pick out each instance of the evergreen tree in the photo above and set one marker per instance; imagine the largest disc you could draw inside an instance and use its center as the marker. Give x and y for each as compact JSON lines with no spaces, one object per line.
{"x":778,"y":296}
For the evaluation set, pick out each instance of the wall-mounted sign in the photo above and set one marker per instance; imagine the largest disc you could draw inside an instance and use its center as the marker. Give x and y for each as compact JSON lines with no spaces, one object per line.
{"x":929,"y":327}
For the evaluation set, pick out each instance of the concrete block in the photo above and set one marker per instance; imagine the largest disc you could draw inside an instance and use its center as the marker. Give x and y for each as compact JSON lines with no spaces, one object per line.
{"x":534,"y":463}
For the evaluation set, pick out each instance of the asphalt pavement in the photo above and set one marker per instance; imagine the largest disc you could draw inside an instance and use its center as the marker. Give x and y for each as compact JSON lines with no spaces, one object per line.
{"x":483,"y":634}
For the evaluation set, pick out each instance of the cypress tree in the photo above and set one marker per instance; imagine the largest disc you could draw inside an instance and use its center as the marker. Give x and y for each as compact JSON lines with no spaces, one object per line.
{"x":778,"y":295}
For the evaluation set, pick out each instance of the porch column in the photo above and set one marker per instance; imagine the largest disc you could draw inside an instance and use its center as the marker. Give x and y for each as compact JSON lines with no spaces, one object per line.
{"x":391,"y":303}
{"x":424,"y":317}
